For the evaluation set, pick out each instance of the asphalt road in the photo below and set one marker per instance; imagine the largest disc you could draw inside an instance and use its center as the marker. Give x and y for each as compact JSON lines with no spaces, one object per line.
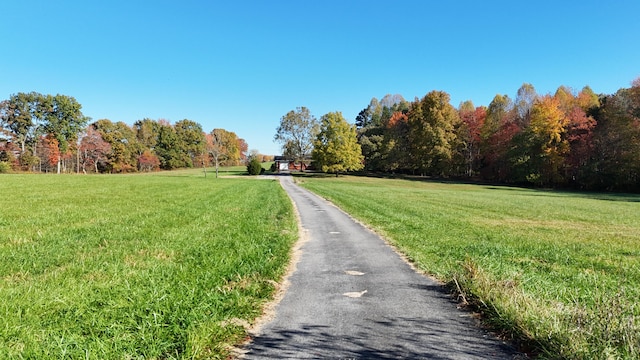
{"x":353,"y":297}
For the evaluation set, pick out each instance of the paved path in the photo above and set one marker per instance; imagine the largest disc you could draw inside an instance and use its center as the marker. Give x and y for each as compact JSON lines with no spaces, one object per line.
{"x":353,"y":297}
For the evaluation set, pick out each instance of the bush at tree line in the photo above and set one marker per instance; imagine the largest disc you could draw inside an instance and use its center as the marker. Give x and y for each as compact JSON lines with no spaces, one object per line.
{"x":255,"y":167}
{"x":5,"y":167}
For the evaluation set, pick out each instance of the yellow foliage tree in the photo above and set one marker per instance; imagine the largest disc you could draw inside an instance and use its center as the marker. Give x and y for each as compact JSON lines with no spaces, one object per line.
{"x":336,"y":147}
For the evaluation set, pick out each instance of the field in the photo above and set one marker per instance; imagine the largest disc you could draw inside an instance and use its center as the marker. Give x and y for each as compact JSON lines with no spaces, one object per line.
{"x":157,"y":266}
{"x":557,"y":271}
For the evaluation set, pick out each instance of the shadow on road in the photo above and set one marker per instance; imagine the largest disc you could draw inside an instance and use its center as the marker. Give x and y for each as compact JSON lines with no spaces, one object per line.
{"x":414,"y":339}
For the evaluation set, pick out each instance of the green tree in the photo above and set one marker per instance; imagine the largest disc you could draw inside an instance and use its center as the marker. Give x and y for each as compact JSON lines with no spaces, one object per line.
{"x":23,"y":115}
{"x":147,"y":132}
{"x":336,"y":147}
{"x":615,"y":161}
{"x":296,"y":132}
{"x":190,"y":140}
{"x":28,"y":116}
{"x":372,"y":142}
{"x":383,"y":144}
{"x":167,"y":148}
{"x":65,"y":121}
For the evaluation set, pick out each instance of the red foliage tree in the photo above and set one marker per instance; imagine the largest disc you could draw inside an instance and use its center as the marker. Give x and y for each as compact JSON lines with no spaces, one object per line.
{"x":243,"y":147}
{"x":148,"y":161}
{"x":497,"y":131}
{"x":93,"y":149}
{"x":470,"y":133}
{"x":49,"y":151}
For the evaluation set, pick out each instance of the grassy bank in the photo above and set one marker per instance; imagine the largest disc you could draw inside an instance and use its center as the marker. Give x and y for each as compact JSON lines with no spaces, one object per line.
{"x":157,"y":266}
{"x":559,"y":270}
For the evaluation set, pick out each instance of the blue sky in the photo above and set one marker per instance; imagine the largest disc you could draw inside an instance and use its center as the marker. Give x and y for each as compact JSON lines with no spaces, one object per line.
{"x":242,"y":65}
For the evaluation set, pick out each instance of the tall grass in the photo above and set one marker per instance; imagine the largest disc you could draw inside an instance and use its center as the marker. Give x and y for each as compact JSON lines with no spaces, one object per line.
{"x":559,"y":271}
{"x":159,"y":266}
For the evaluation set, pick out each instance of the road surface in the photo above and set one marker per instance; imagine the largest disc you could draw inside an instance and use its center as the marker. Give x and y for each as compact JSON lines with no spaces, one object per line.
{"x":353,"y":297}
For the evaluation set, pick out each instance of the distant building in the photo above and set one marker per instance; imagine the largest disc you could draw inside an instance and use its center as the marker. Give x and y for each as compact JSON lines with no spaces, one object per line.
{"x":282,"y":163}
{"x":285,"y":164}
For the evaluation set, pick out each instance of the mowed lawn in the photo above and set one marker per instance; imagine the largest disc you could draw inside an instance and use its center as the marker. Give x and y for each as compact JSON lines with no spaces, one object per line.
{"x":160,"y":266}
{"x":559,"y":271}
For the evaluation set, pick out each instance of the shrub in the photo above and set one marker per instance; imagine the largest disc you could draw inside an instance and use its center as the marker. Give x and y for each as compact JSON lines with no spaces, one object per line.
{"x":27,"y":161}
{"x":5,"y":167}
{"x":254,"y":167}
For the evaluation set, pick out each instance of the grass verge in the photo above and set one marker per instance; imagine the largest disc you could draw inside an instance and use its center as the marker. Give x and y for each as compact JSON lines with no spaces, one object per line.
{"x":158,"y":266}
{"x":558,"y":271}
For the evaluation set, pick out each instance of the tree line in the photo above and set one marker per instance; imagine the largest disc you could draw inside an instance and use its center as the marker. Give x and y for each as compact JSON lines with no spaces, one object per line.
{"x":49,"y":133}
{"x":575,"y":139}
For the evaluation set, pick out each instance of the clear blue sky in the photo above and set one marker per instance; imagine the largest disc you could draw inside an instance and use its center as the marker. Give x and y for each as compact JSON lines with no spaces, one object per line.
{"x":242,"y":65}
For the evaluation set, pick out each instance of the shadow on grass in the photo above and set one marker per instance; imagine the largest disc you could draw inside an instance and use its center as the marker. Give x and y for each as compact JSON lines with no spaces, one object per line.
{"x":532,"y":191}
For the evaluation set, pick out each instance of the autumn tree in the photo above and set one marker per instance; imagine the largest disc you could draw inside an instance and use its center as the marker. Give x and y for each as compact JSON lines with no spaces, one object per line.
{"x":49,"y":151}
{"x":243,"y":149}
{"x":547,"y":143}
{"x":432,"y":132}
{"x":336,"y":147}
{"x":496,"y":133}
{"x":65,"y":121}
{"x":296,"y":132}
{"x":123,"y":142}
{"x":579,"y":131}
{"x":222,"y":146}
{"x":30,"y":115}
{"x":472,"y":119}
{"x":94,"y":150}
{"x":148,"y":161}
{"x":396,"y":142}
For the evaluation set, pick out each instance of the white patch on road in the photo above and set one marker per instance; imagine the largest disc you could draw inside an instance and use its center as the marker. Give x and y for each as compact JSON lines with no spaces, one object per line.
{"x":355,"y":294}
{"x":354,"y":273}
{"x":334,"y":232}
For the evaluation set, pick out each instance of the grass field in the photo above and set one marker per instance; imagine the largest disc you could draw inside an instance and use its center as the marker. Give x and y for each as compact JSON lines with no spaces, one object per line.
{"x":150,"y":266}
{"x":559,"y":271}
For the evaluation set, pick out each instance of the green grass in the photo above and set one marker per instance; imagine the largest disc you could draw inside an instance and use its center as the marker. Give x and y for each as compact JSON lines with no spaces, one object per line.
{"x":559,"y":271}
{"x":150,"y":266}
